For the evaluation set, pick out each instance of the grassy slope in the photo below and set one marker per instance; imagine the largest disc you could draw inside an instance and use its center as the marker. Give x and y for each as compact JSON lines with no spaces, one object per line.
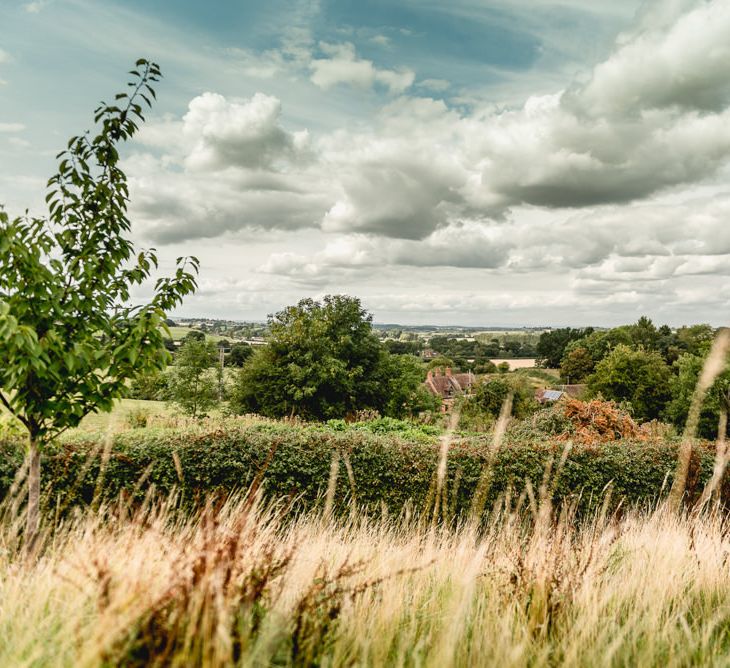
{"x":118,"y":417}
{"x":247,"y":589}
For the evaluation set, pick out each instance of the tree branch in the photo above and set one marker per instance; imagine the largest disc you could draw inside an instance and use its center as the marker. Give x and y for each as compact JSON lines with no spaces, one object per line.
{"x":12,"y":412}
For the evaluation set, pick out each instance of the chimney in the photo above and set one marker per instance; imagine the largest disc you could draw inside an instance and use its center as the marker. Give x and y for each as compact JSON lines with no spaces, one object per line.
{"x":448,"y":371}
{"x":429,"y":375}
{"x":437,"y":371}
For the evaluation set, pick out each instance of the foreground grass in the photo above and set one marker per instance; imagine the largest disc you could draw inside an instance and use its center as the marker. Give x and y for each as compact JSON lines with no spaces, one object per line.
{"x":244,"y":585}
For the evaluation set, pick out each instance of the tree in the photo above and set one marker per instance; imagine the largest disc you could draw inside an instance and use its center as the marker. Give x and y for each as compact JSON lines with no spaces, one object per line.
{"x":599,"y":344}
{"x":695,"y":339}
{"x":644,"y":334}
{"x":193,"y":335}
{"x":576,"y":366}
{"x":440,"y":362}
{"x":193,"y":384}
{"x":403,"y":347}
{"x":480,"y":409}
{"x":69,"y":340}
{"x":402,"y":377}
{"x":551,"y":346}
{"x":150,"y":387}
{"x":322,"y":361}
{"x":640,"y":377}
{"x":240,"y":353}
{"x":717,"y":399}
{"x":485,"y":367}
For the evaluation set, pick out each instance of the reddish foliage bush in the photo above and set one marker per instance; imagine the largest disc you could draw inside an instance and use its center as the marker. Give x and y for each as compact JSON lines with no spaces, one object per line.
{"x":599,"y":421}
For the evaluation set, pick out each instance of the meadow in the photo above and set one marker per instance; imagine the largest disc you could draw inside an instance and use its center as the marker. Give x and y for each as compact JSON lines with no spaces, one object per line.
{"x":249,"y":584}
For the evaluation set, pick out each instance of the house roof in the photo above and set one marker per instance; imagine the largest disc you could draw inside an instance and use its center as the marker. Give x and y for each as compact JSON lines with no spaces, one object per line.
{"x":447,"y":384}
{"x":552,"y":395}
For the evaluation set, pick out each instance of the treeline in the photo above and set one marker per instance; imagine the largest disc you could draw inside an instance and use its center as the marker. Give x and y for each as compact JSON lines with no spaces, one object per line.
{"x":322,"y":361}
{"x":228,"y":328}
{"x":472,"y":353}
{"x":652,"y":370}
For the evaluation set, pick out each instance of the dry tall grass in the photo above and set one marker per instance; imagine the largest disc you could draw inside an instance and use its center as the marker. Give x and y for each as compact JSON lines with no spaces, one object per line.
{"x":246,"y":585}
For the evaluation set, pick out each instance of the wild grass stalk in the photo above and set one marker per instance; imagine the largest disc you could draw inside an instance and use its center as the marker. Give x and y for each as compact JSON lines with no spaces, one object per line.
{"x":244,"y":584}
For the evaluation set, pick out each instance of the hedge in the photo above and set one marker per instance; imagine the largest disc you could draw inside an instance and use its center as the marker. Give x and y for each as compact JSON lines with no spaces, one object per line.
{"x":389,"y":472}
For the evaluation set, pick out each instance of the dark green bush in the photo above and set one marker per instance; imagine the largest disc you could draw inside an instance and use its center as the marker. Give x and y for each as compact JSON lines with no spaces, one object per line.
{"x":388,"y":471}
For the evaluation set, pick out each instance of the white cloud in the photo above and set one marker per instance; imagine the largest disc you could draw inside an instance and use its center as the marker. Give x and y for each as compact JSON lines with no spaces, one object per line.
{"x":227,"y":165}
{"x":12,"y":127}
{"x":434,"y":85}
{"x":463,"y":245}
{"x":342,"y":66}
{"x":36,"y":6}
{"x":421,"y":166}
{"x":246,"y":134}
{"x":683,"y":63}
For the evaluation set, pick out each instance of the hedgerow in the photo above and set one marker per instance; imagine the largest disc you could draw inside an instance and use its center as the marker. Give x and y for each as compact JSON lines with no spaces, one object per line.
{"x":389,"y":472}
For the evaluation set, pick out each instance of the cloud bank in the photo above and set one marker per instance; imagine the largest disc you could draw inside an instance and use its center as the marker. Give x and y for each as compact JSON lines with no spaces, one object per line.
{"x":617,"y":179}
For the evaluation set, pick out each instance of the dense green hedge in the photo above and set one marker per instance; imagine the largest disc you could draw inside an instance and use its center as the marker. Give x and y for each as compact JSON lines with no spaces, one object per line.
{"x":387,"y":470}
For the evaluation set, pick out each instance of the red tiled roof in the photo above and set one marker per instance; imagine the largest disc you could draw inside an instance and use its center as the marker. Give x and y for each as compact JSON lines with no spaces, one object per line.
{"x":448,"y":384}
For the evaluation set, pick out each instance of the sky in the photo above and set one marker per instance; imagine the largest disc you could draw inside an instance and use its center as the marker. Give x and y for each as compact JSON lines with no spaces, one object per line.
{"x":472,"y":162}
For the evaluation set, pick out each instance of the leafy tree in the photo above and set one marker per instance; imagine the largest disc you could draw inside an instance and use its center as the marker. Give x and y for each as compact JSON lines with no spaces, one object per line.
{"x":69,"y":340}
{"x":576,"y":366}
{"x":194,"y":335}
{"x":480,"y":408}
{"x":668,"y":345}
{"x":193,"y":384}
{"x":403,"y":376}
{"x":695,"y":339}
{"x":240,"y":353}
{"x":322,"y":361}
{"x":150,"y":387}
{"x":644,"y":334}
{"x":503,"y":367}
{"x":403,"y":347}
{"x":440,"y":362}
{"x":688,"y":368}
{"x":485,"y":367}
{"x":551,"y":345}
{"x":640,"y":377}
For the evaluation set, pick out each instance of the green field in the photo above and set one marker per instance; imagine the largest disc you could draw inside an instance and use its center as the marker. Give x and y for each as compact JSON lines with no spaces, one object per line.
{"x":179,"y":333}
{"x":119,"y":417}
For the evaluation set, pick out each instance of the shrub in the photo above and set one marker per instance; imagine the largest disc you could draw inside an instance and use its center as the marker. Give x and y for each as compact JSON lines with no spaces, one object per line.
{"x":386,"y":425}
{"x":389,"y":471}
{"x":587,"y":422}
{"x":137,"y":418}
